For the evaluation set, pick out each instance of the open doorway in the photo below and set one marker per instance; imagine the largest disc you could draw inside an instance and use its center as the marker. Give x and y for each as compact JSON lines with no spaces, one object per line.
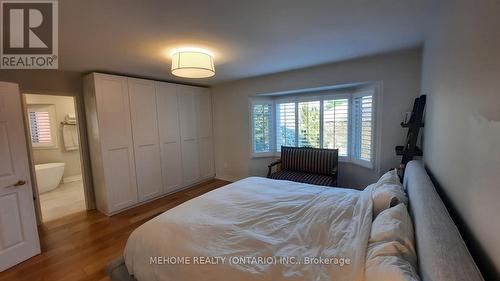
{"x":55,"y":154}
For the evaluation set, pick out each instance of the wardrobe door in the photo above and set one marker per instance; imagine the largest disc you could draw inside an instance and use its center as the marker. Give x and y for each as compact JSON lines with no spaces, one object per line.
{"x":113,"y":108}
{"x":145,"y":137}
{"x":167,"y":105}
{"x":189,"y":136}
{"x":205,"y":132}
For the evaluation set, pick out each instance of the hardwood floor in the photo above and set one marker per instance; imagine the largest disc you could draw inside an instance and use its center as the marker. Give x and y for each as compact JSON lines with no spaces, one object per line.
{"x":79,"y":246}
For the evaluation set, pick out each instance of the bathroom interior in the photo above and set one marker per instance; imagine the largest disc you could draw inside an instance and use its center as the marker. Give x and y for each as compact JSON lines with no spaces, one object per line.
{"x":55,"y":152}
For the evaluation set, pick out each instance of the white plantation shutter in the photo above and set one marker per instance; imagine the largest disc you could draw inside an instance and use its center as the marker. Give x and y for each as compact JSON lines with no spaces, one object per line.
{"x":285,"y":130}
{"x":336,"y":125}
{"x":261,"y":127}
{"x":309,"y":124}
{"x":42,"y":126}
{"x":363,"y":127}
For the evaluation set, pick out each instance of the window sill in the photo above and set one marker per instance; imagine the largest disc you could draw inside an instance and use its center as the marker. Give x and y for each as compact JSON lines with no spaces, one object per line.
{"x":264,"y":155}
{"x":44,"y":147}
{"x":364,"y":164}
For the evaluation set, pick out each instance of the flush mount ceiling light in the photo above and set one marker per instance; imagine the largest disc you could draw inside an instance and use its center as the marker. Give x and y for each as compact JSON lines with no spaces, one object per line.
{"x":192,"y":63}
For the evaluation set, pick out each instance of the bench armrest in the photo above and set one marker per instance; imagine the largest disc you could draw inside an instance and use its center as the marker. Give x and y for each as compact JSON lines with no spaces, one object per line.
{"x":270,"y":166}
{"x":334,"y":175}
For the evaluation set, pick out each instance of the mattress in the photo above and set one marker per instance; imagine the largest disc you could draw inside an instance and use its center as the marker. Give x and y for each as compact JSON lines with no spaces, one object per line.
{"x":257,"y":228}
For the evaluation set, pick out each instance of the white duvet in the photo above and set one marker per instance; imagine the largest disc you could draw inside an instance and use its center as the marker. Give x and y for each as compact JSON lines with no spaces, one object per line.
{"x":257,"y":229}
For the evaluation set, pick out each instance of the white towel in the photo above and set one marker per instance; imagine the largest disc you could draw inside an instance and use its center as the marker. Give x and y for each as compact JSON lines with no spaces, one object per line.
{"x":70,"y":137}
{"x":70,"y":119}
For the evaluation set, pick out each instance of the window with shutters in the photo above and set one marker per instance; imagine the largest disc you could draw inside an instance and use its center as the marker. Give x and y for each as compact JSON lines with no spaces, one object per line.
{"x":42,"y":126}
{"x":336,"y":125}
{"x":262,"y":120}
{"x":309,"y":124}
{"x":344,"y":121}
{"x":363,"y":123}
{"x":286,"y":134}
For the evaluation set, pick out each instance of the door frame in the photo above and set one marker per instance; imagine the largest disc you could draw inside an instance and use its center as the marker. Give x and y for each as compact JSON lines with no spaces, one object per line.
{"x":83,"y":149}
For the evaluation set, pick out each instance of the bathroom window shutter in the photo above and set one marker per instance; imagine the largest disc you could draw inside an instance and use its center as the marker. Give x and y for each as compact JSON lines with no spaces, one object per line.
{"x":42,"y":127}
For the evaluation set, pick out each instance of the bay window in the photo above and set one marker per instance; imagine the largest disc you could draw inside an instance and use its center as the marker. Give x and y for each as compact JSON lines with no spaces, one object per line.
{"x":343,"y":121}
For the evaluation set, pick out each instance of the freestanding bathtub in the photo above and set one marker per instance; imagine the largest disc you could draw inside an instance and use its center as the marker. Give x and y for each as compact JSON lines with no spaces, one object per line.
{"x":48,"y":176}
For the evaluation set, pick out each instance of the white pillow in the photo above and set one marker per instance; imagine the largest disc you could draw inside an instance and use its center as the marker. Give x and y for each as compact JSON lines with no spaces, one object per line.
{"x":391,"y":248}
{"x":392,"y":234}
{"x":393,"y":224}
{"x":387,"y":195}
{"x":390,"y":177}
{"x":391,"y":253}
{"x":389,"y":268}
{"x":387,"y":192}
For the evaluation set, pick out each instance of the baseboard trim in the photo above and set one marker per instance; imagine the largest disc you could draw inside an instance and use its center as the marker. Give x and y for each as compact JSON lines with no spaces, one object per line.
{"x":200,"y":181}
{"x":72,"y":179}
{"x":229,"y":178}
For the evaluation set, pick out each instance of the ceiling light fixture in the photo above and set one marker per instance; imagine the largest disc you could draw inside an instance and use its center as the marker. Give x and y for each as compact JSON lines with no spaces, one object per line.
{"x":192,"y":63}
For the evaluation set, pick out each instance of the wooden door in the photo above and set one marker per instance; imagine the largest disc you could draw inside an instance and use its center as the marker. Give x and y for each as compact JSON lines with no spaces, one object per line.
{"x":18,"y":233}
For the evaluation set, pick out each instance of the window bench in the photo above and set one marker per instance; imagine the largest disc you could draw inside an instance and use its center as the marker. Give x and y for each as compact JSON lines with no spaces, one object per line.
{"x":307,"y":165}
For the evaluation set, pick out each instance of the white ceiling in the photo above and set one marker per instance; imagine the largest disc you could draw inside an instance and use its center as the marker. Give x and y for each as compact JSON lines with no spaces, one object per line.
{"x":249,"y":37}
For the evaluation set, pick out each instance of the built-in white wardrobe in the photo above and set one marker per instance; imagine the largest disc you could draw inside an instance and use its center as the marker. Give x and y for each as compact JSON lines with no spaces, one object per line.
{"x":147,"y":138}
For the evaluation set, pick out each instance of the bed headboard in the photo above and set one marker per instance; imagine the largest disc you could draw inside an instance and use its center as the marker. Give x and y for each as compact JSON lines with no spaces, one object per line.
{"x":441,"y":251}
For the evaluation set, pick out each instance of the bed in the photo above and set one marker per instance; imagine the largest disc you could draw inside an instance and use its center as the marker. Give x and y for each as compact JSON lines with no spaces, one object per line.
{"x":265,"y":219}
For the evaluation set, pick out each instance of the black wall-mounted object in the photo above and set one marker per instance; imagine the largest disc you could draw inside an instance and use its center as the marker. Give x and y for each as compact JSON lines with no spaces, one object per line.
{"x":410,"y":149}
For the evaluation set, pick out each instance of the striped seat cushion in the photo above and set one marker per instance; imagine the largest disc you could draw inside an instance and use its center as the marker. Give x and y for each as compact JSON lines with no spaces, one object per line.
{"x":304,"y":177}
{"x":309,"y":160}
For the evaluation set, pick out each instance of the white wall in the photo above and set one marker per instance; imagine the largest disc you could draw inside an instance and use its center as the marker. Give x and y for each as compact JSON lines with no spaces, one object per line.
{"x":63,"y":105}
{"x":461,"y":75}
{"x":399,"y":72}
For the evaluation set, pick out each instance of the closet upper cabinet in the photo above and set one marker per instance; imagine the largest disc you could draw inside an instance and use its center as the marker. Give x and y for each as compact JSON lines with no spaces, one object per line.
{"x":146,"y":140}
{"x":167,"y":105}
{"x":110,"y":139}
